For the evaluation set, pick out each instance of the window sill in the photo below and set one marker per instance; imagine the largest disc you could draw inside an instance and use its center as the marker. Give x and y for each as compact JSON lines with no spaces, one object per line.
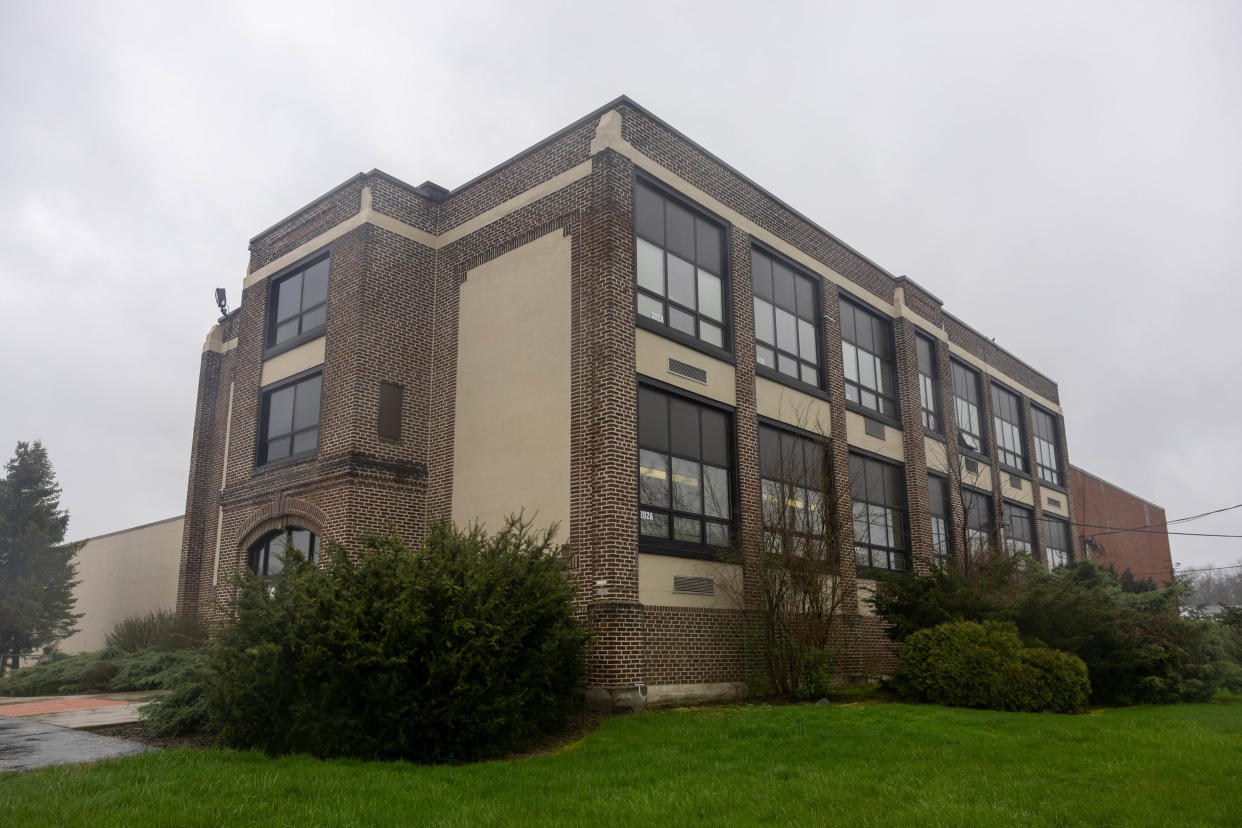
{"x":935,"y":435}
{"x":285,"y":463}
{"x":873,"y":415}
{"x":789,"y":382}
{"x":1044,"y":484}
{"x":973,"y":455}
{"x":290,"y":344}
{"x":680,"y":338}
{"x":1011,"y":470}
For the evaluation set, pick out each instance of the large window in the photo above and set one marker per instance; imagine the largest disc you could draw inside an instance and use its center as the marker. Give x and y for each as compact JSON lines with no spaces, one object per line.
{"x":680,"y":267}
{"x":1056,"y":542}
{"x":1007,"y":422}
{"x":966,"y":407}
{"x":1020,"y":532}
{"x":978,"y":509}
{"x":684,"y":486}
{"x":787,"y":314}
{"x":298,"y":305}
{"x":265,"y":556}
{"x":1047,"y":458}
{"x":793,"y":481}
{"x":928,"y":387}
{"x":938,"y":498}
{"x":879,"y":511}
{"x":289,"y":421}
{"x":867,"y":351}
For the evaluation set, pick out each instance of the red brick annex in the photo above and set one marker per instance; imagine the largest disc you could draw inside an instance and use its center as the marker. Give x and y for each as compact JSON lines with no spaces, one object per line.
{"x":609,"y":330}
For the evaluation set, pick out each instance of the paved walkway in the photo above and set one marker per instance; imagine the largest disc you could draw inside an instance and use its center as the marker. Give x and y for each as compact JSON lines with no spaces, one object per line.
{"x":78,"y":712}
{"x":26,"y":745}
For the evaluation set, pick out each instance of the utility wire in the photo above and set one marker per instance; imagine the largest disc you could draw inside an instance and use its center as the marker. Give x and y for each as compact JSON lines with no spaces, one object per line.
{"x":1114,"y":531}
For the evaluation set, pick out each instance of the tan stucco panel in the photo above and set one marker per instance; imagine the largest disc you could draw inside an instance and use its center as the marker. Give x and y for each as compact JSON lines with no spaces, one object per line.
{"x":651,"y":356}
{"x":937,"y":455}
{"x":788,"y":405}
{"x":866,"y":591}
{"x":511,"y":445}
{"x":127,"y":573}
{"x":301,"y":358}
{"x":655,"y":582}
{"x":1022,"y":493}
{"x":856,"y":434}
{"x":1062,"y":500}
{"x":981,"y":479}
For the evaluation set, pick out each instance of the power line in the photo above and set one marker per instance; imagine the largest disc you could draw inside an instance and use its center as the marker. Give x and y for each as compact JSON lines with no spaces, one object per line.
{"x":1113,"y":531}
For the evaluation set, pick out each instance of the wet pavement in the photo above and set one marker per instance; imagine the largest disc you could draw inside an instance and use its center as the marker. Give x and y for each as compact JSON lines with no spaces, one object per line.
{"x":26,"y":745}
{"x":79,"y":711}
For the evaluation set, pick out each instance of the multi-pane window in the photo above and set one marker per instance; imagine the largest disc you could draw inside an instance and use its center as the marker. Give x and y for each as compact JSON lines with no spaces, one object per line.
{"x":1047,"y":458}
{"x":928,"y":386}
{"x":680,"y":267}
{"x":298,"y":306}
{"x":289,"y":421}
{"x":867,"y":351}
{"x":966,"y":407}
{"x":683,"y":471}
{"x":938,"y":496}
{"x":879,"y":512}
{"x":265,"y":556}
{"x":793,"y":483}
{"x":1020,"y":532}
{"x":1007,"y":422}
{"x":978,"y":509}
{"x":787,"y":314}
{"x":1056,"y":542}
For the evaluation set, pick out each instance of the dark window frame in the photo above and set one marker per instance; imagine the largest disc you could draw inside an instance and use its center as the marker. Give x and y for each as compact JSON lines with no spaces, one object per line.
{"x":1003,"y":452}
{"x":1067,"y":553}
{"x":969,"y":493}
{"x":819,"y":387}
{"x":819,"y":482}
{"x":1055,"y":443}
{"x":933,"y":418}
{"x":980,"y":410}
{"x":1031,"y":540}
{"x":902,"y":525}
{"x":261,"y":553}
{"x":270,"y":346}
{"x":262,"y":438}
{"x":892,"y":418}
{"x":942,"y":557}
{"x":648,"y":544}
{"x":665,"y":328}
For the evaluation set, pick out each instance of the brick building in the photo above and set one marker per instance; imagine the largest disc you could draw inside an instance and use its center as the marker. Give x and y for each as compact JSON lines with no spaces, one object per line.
{"x":610,"y":329}
{"x":1121,"y":530}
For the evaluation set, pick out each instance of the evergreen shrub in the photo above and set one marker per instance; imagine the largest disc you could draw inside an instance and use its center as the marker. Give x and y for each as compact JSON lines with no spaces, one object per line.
{"x":966,"y":664}
{"x":463,"y":649}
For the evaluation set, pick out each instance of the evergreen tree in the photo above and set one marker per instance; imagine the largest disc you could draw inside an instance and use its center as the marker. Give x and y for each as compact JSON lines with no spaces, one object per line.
{"x":36,"y":566}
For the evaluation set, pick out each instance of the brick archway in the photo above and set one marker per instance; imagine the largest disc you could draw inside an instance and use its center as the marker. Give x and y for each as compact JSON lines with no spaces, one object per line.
{"x":281,"y":513}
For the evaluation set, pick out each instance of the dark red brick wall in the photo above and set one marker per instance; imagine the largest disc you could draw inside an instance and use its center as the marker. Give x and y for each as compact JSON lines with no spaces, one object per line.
{"x":1101,"y":507}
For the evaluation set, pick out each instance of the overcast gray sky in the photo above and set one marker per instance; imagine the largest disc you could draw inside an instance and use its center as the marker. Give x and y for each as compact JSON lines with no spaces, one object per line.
{"x":1066,"y":177}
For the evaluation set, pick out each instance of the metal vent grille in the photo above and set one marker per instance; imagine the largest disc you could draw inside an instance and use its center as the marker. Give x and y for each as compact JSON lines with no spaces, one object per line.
{"x":1015,"y":481}
{"x":874,"y":429}
{"x":972,"y":466}
{"x":692,"y":585}
{"x":684,"y":369}
{"x":1052,"y":501}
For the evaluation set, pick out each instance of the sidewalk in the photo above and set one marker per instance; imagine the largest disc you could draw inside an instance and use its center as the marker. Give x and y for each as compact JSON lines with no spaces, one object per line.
{"x":78,"y":712}
{"x":26,"y":745}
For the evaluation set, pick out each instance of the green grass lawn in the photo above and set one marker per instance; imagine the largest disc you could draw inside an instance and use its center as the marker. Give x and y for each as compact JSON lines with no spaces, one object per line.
{"x":861,"y":764}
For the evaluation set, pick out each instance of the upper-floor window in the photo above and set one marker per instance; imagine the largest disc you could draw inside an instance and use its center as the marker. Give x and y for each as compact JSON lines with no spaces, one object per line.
{"x":938,"y":498}
{"x":1056,"y":542}
{"x":298,"y":305}
{"x":793,"y":483}
{"x":787,"y":314}
{"x":867,"y":351}
{"x":266,"y":556}
{"x":679,"y":267}
{"x":1020,"y":534}
{"x":1007,"y":422}
{"x":966,"y":407}
{"x":879,"y":511}
{"x":1047,"y":457}
{"x":928,"y":387}
{"x":289,"y":419}
{"x":978,"y":510}
{"x":684,"y":471}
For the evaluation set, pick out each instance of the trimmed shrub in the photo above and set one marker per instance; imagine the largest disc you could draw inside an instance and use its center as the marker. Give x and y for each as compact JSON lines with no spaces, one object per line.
{"x":964,"y":664}
{"x":465,"y":649}
{"x":157,"y":630}
{"x":184,"y":710}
